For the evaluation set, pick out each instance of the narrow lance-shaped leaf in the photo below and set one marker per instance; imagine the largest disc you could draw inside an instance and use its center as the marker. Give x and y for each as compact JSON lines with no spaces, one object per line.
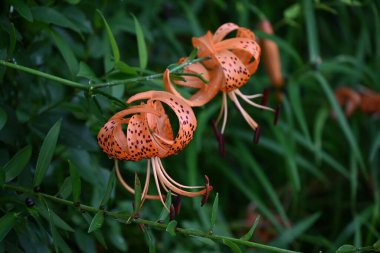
{"x":150,"y":240}
{"x":111,"y":38}
{"x":51,"y":216}
{"x":98,"y":235}
{"x":346,"y":248}
{"x":23,"y":9}
{"x":110,"y":186}
{"x":171,"y":227}
{"x":249,"y":234}
{"x":18,"y":162}
{"x":232,"y":246}
{"x":141,"y":45}
{"x":214,"y":212}
{"x":46,"y":153}
{"x":3,"y":118}
{"x":164,"y":212}
{"x":66,"y":52}
{"x":6,"y":224}
{"x":75,"y":182}
{"x":96,"y":222}
{"x":138,"y":193}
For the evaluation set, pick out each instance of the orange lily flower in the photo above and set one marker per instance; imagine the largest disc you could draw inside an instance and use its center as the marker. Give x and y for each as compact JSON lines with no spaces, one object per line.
{"x":149,"y":135}
{"x":205,"y":91}
{"x":238,"y":59}
{"x":368,"y":101}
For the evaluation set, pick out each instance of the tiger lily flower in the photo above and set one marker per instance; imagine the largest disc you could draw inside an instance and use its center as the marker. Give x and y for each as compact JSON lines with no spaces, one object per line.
{"x":205,"y":91}
{"x":149,"y":135}
{"x":238,"y":59}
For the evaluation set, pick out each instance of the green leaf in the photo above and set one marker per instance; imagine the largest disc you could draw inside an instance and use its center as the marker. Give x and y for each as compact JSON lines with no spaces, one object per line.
{"x":111,"y":38}
{"x":16,"y":165}
{"x":96,"y":222}
{"x":3,"y":118}
{"x":12,"y":39}
{"x":346,"y":249}
{"x":73,"y":1}
{"x":232,"y":246}
{"x":75,"y":181}
{"x":2,"y":176}
{"x":249,"y":234}
{"x":86,"y":72}
{"x":168,"y":202}
{"x":50,"y":215}
{"x":98,"y":235}
{"x":137,"y":193}
{"x":376,"y":245}
{"x":171,"y":227}
{"x":22,"y":9}
{"x":150,"y":240}
{"x":125,"y":68}
{"x":110,"y":186}
{"x":6,"y":224}
{"x":311,"y":31}
{"x":65,"y":189}
{"x":51,"y":16}
{"x":141,"y":45}
{"x":46,"y":153}
{"x":66,"y":52}
{"x":214,"y":212}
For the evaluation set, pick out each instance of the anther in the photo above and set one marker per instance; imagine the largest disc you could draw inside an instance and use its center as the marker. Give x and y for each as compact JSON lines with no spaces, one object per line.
{"x":264,"y":99}
{"x":256,"y":137}
{"x":277,"y":114}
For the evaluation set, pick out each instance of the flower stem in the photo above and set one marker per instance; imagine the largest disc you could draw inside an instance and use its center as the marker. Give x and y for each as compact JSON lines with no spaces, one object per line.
{"x":153,"y":224}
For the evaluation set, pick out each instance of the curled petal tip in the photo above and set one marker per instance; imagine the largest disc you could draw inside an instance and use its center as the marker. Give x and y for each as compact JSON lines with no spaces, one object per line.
{"x":208,"y":189}
{"x":256,"y":137}
{"x":277,"y":114}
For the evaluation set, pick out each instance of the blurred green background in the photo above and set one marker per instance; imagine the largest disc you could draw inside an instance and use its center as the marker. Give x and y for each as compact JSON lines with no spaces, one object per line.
{"x":313,"y":178}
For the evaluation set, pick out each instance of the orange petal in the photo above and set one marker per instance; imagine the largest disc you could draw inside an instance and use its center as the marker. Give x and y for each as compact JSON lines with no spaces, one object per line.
{"x":248,"y":45}
{"x":185,"y":115}
{"x":139,"y":140}
{"x":235,"y":72}
{"x":223,"y":30}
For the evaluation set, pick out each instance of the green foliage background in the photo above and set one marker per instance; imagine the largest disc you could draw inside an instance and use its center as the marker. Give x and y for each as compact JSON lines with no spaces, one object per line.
{"x":313,"y":178}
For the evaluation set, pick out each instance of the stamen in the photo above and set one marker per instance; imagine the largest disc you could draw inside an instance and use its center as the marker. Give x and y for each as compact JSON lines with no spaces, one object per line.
{"x":215,"y":129}
{"x":155,"y":170}
{"x":277,"y":114}
{"x":251,"y":122}
{"x":245,"y":98}
{"x":225,"y":114}
{"x":257,"y":135}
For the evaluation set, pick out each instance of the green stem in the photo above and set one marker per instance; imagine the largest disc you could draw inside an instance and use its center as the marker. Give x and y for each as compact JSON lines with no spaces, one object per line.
{"x":153,"y":224}
{"x":45,"y":75}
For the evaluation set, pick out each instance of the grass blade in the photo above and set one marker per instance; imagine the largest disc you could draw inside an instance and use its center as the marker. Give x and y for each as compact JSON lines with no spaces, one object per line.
{"x":311,"y":31}
{"x":46,"y":153}
{"x":16,"y":165}
{"x":141,"y":45}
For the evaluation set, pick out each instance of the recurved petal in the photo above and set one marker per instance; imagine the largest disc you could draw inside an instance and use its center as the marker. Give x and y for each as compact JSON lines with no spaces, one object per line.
{"x":248,"y":45}
{"x":235,"y":72}
{"x":140,"y":144}
{"x":185,"y":115}
{"x":223,"y":30}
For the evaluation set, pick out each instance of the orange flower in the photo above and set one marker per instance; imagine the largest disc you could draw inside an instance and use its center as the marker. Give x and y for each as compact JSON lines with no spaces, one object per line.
{"x":237,"y":59}
{"x":149,"y":135}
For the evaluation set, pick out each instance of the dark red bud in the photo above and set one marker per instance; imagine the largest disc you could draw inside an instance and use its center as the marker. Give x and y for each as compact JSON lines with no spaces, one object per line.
{"x":177,"y":204}
{"x":172,"y":212}
{"x":222,"y":151}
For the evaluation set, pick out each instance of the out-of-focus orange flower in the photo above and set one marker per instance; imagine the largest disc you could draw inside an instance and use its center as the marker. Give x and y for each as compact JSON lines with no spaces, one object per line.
{"x":368,"y":101}
{"x":149,"y":135}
